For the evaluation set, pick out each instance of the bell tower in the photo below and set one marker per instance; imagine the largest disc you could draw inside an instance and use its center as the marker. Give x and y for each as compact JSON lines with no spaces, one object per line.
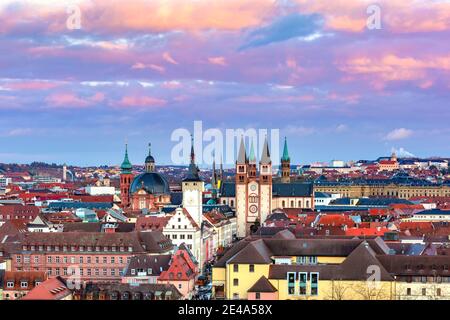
{"x":265,"y":183}
{"x":126,"y":177}
{"x":150,"y":161}
{"x":192,"y":188}
{"x":241,"y":190}
{"x":285,"y":164}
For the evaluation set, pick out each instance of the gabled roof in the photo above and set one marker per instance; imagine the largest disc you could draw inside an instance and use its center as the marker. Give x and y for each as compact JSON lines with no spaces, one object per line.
{"x":262,"y":285}
{"x":50,"y":289}
{"x":256,"y":253}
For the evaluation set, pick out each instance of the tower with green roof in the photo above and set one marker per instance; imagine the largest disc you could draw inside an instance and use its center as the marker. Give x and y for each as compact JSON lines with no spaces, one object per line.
{"x":285,"y":164}
{"x":126,"y":178}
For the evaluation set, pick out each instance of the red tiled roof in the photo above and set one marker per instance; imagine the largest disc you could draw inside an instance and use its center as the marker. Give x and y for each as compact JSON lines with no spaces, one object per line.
{"x":335,"y":220}
{"x":152,"y":222}
{"x":50,"y":289}
{"x":366,"y":231}
{"x":179,"y":269}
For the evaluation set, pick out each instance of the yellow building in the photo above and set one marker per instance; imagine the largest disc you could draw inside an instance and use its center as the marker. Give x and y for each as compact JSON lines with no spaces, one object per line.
{"x":402,"y":191}
{"x":286,"y":268}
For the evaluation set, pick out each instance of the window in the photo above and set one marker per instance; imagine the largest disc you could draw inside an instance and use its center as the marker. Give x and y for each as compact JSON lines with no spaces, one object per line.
{"x":133,"y":272}
{"x":10,"y":284}
{"x":113,"y":272}
{"x":251,"y":268}
{"x":113,"y":260}
{"x":235,"y":267}
{"x":189,"y":236}
{"x":235,"y":282}
{"x":49,"y":259}
{"x":57,"y":259}
{"x":235,"y":296}
{"x":424,"y":291}
{"x":257,"y":296}
{"x":24,"y":284}
{"x":303,"y":278}
{"x":291,"y":282}
{"x":314,"y":283}
{"x":438,"y":292}
{"x":408,"y":291}
{"x":105,"y":260}
{"x":313,"y":260}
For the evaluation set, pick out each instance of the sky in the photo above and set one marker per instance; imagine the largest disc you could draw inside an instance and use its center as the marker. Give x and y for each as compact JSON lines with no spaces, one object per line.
{"x":79,"y":78}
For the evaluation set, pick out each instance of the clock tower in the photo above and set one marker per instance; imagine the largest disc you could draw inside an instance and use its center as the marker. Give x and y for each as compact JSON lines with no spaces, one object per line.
{"x":192,"y":188}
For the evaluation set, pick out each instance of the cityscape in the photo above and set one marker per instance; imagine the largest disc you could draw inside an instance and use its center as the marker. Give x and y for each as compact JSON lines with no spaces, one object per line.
{"x":238,"y":152}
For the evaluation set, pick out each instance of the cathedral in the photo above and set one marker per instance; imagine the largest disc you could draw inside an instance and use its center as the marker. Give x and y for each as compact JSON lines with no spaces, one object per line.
{"x":149,"y":190}
{"x":254,"y":195}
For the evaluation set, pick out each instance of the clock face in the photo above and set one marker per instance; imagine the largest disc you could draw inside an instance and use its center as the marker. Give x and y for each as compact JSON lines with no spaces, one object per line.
{"x":253,"y":187}
{"x":253,"y":209}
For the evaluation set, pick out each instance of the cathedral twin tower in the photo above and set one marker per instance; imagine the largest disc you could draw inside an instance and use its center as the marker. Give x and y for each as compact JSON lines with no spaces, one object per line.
{"x":254,"y":194}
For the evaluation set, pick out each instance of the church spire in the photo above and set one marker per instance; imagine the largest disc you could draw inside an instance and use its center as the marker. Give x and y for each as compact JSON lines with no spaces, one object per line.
{"x":285,"y":151}
{"x":213,"y":176}
{"x":252,"y":157}
{"x":265,"y":157}
{"x":242,"y":156}
{"x":193,"y":169}
{"x":126,"y":164}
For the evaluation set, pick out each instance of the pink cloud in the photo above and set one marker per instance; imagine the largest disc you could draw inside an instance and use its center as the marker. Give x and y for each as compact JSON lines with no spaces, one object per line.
{"x":141,"y":101}
{"x":218,"y":60}
{"x":31,"y":85}
{"x":167,"y":57}
{"x":71,"y":100}
{"x":154,"y":67}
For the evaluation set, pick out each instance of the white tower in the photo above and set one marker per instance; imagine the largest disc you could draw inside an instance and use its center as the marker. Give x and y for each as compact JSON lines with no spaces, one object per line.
{"x":192,"y":188}
{"x":64,"y":172}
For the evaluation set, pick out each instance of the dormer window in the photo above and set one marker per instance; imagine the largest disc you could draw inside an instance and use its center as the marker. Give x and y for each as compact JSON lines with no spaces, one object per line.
{"x":81,"y":248}
{"x":105,"y":249}
{"x":56,"y":248}
{"x":10,"y":284}
{"x":149,"y":271}
{"x":24,"y":247}
{"x":64,"y":248}
{"x":32,"y":248}
{"x":130,"y":249}
{"x":49,"y":248}
{"x":24,"y":284}
{"x":133,"y":272}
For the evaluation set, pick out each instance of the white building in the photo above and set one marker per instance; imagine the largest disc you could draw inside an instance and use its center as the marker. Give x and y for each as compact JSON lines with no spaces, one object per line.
{"x":98,"y":191}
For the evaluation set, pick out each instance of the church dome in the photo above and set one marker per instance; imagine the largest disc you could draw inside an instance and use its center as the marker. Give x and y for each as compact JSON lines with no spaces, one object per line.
{"x":152,"y":182}
{"x":149,"y":159}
